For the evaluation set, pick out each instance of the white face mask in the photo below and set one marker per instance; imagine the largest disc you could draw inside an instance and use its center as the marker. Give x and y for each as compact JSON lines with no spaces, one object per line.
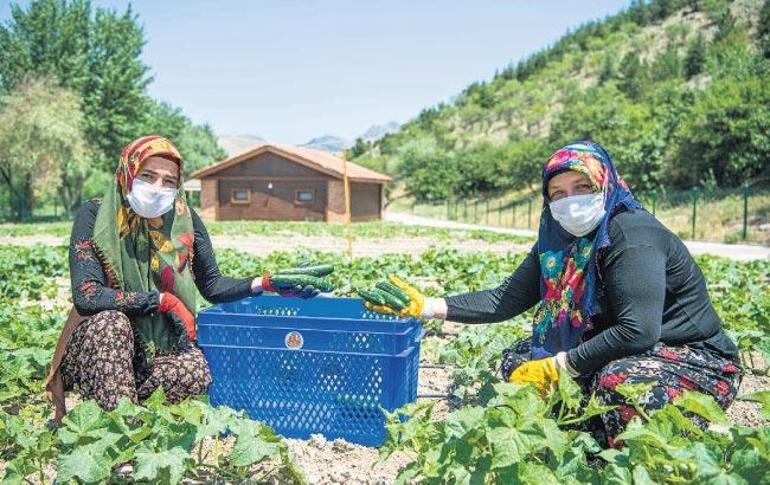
{"x":579,"y":214}
{"x":149,"y":201}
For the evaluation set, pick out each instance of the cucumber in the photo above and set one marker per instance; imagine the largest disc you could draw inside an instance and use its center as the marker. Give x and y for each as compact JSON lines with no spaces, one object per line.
{"x":382,"y":298}
{"x":397,"y":292}
{"x":284,"y":280}
{"x":372,"y":296}
{"x":392,"y":301}
{"x":318,"y":271}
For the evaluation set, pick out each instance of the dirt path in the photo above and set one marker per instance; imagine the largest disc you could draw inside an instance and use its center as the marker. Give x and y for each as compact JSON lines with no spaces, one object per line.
{"x":743,"y":252}
{"x":262,"y":245}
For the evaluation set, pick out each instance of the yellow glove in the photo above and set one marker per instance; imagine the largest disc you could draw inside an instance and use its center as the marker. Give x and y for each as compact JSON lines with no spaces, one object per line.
{"x":542,"y":373}
{"x":396,"y":297}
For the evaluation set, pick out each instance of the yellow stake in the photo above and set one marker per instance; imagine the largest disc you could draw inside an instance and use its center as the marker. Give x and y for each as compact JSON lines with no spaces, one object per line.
{"x":346,"y":183}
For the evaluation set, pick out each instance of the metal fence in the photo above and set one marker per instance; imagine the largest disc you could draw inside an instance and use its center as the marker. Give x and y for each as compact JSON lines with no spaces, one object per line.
{"x":49,"y":209}
{"x":701,"y":213}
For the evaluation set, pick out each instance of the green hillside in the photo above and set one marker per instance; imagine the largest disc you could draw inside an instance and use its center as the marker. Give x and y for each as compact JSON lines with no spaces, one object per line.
{"x":677,"y":90}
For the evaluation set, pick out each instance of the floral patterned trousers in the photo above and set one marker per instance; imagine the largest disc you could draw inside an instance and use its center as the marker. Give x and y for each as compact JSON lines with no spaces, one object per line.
{"x":105,"y":360}
{"x":672,"y":369}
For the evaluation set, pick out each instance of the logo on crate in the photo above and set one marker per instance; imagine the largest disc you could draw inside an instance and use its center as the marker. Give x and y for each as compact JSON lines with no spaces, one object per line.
{"x":294,"y":340}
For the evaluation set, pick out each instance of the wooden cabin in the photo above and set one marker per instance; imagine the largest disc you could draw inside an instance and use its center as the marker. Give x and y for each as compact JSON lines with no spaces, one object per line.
{"x":286,"y":183}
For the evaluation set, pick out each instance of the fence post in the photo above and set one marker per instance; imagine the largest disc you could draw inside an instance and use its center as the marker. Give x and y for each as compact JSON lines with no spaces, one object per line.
{"x":529,"y":213}
{"x":499,"y":212}
{"x":513,"y":221}
{"x":486,"y":217}
{"x":654,"y":200}
{"x":745,"y":209}
{"x":694,"y":208}
{"x":476,"y":211}
{"x":465,"y":210}
{"x":448,"y":217}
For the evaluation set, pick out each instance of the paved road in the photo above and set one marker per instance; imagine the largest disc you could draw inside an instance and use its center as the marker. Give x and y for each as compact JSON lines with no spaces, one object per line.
{"x":743,"y":252}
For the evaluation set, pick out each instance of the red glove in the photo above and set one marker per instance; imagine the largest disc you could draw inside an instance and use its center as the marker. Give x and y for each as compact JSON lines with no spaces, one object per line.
{"x":267,"y":285}
{"x":171,"y":304}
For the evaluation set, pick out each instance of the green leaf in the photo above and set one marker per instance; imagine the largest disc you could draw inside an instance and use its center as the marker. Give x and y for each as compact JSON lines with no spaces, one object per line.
{"x":641,"y":476}
{"x":464,"y":421}
{"x":634,"y":393}
{"x":84,"y":417}
{"x":569,"y":390}
{"x":157,"y":400}
{"x":637,"y":431}
{"x":250,"y":447}
{"x":85,"y":463}
{"x":703,"y":405}
{"x":613,"y":474}
{"x":509,"y":446}
{"x":165,"y":466}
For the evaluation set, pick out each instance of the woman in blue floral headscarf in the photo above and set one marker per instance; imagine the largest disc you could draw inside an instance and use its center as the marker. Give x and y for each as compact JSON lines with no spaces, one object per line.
{"x":618,"y":297}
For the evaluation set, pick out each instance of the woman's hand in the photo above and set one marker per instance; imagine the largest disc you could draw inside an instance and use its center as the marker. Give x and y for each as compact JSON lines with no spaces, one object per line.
{"x":169,"y":303}
{"x":302,"y":282}
{"x":543,"y":373}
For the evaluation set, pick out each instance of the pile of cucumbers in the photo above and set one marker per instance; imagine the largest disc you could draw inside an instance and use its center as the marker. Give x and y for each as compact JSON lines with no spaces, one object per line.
{"x":386,"y":294}
{"x":303,"y":276}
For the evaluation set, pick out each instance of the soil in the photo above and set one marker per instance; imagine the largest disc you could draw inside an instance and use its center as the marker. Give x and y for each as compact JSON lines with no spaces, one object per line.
{"x":261,"y":245}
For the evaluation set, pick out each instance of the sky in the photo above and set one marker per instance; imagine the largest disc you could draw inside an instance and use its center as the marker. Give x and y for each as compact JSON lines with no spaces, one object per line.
{"x":291,"y":70}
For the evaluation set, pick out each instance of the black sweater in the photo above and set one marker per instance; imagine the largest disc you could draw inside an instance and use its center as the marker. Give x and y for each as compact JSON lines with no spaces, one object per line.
{"x":92,"y":294}
{"x":651,"y":291}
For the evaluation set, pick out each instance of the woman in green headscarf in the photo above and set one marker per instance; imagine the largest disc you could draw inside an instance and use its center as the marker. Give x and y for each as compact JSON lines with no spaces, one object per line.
{"x":138,"y":258}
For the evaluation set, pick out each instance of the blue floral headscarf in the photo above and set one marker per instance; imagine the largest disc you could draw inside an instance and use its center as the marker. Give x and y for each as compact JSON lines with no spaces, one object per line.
{"x":568,"y":264}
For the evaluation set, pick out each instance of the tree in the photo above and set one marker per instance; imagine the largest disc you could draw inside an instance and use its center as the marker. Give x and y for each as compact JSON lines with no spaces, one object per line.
{"x":728,"y":130}
{"x":607,"y":68}
{"x":94,"y":53}
{"x":630,"y":132}
{"x":667,"y":65}
{"x":197,"y":143}
{"x":695,"y":59}
{"x":634,"y":75}
{"x":763,"y":29}
{"x":426,"y":170}
{"x":43,"y":149}
{"x":359,"y":148}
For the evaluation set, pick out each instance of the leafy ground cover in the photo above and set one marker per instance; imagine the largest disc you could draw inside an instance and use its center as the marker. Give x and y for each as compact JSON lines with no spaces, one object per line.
{"x":517,"y":437}
{"x":361,"y":230}
{"x":497,"y":433}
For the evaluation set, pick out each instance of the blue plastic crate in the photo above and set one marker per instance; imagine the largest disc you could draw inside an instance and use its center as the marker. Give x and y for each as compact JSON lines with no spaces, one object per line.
{"x":323,"y":365}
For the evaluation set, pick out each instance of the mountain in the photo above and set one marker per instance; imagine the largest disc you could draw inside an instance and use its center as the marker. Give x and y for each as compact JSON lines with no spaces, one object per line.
{"x":676,"y":90}
{"x":328,"y":143}
{"x":237,"y":144}
{"x":375,"y":132}
{"x":336,"y":144}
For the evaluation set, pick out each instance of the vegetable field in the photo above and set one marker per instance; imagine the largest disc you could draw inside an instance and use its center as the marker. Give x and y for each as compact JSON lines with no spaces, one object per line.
{"x":474,"y":430}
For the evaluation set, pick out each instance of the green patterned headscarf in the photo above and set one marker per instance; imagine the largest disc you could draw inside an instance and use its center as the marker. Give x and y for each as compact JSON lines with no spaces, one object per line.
{"x":141,"y":254}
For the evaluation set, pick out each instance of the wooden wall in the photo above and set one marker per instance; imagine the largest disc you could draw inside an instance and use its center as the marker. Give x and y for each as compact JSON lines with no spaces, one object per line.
{"x":278,"y":202}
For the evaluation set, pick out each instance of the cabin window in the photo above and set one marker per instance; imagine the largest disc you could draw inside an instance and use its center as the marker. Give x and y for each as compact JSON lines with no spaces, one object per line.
{"x":304,"y":196}
{"x":240,"y":196}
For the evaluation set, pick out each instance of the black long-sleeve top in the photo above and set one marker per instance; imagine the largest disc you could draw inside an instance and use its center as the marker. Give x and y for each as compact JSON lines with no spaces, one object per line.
{"x":92,"y":294}
{"x":651,"y":291}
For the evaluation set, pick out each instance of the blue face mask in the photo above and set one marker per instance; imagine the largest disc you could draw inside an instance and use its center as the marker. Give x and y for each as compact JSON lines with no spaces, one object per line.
{"x":149,"y":201}
{"x":579,"y":214}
